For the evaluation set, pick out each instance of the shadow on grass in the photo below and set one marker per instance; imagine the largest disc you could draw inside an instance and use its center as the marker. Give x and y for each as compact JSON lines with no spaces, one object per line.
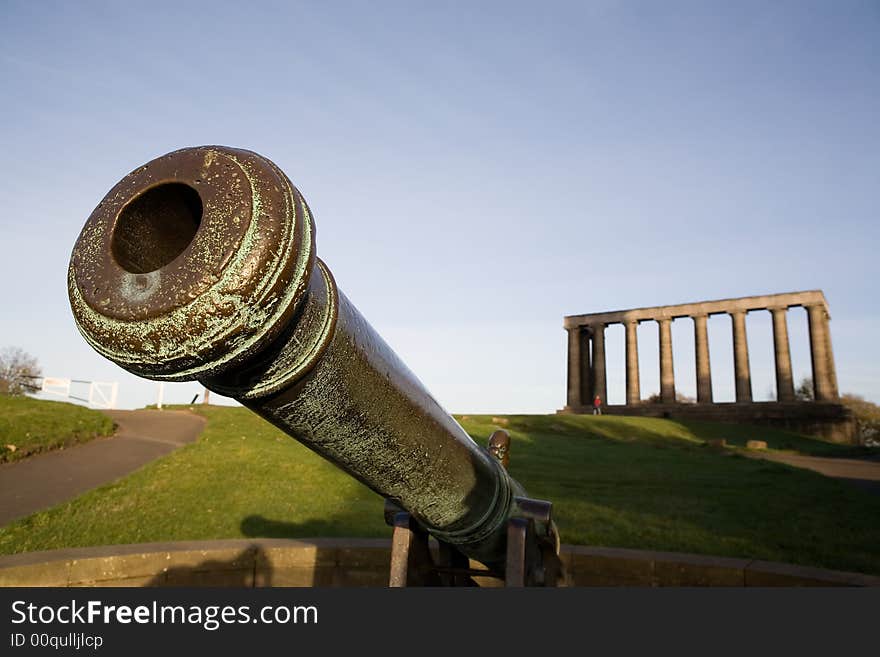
{"x":778,"y":439}
{"x":671,"y":432}
{"x":257,"y":526}
{"x":656,"y":485}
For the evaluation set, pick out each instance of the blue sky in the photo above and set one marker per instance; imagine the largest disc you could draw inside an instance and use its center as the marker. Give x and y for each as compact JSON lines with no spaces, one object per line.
{"x":477,"y":170}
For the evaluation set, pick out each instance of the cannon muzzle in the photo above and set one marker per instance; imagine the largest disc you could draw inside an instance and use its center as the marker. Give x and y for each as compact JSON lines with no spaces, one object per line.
{"x":201,"y":265}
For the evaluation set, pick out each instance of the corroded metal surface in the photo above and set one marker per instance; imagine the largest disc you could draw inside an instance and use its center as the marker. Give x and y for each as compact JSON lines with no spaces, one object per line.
{"x":223,"y":286}
{"x":230,"y":291}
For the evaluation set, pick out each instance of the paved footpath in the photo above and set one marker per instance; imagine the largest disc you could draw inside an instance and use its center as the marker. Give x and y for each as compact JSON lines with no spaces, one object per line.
{"x":142,"y":436}
{"x":863,"y":473}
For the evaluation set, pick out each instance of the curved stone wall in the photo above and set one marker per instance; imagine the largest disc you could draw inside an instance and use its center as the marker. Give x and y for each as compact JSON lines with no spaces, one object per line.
{"x":364,"y":562}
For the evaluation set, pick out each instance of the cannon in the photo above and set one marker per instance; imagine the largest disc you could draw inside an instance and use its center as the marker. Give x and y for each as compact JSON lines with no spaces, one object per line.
{"x":201,"y":265}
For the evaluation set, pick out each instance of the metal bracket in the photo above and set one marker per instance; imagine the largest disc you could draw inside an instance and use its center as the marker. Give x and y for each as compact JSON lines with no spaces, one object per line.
{"x":411,"y":562}
{"x":532,"y":545}
{"x":532,"y":551}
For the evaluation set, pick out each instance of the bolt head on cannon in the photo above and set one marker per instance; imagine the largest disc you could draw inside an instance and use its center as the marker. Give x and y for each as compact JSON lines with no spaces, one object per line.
{"x":201,"y":265}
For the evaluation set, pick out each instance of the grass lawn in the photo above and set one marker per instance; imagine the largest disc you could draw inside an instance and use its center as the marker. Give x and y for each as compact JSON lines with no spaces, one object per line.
{"x":776,"y":439}
{"x":37,"y":425}
{"x":614,"y":481}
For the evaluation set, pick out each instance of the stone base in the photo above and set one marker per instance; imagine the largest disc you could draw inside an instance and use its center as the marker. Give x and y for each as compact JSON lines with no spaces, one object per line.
{"x":828,"y":420}
{"x":365,"y":563}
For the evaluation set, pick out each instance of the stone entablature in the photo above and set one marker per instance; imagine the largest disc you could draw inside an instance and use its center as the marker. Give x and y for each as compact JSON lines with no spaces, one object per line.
{"x":716,"y":307}
{"x":586,"y":348}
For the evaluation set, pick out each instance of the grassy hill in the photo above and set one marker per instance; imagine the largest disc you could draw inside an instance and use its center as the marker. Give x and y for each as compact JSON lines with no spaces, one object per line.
{"x":614,"y":481}
{"x":29,"y":426}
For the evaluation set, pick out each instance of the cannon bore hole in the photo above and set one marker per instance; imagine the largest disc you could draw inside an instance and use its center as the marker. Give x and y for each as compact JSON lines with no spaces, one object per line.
{"x":155,"y":227}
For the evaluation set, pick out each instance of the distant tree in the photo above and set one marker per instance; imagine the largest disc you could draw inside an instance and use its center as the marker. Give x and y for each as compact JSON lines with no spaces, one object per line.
{"x":804,"y":391}
{"x":18,"y":371}
{"x":867,"y":416}
{"x":679,"y":397}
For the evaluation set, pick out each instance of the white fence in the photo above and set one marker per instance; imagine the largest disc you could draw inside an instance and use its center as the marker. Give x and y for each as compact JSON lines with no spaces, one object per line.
{"x":100,"y":394}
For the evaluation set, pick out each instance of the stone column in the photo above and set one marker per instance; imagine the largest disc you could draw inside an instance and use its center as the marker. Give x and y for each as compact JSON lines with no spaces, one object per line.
{"x":633,"y":392}
{"x":741,"y":357}
{"x":782,"y":353}
{"x":575,"y":379}
{"x":587,"y":368}
{"x":667,"y":376}
{"x":819,"y":341}
{"x":704,"y":370}
{"x":835,"y":393}
{"x":600,"y":386}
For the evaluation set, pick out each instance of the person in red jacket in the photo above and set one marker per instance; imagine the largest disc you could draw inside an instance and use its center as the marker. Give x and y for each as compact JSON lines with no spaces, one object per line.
{"x":597,"y":406}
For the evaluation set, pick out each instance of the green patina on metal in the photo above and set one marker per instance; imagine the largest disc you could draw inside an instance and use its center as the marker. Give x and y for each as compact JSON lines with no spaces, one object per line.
{"x":224,"y":321}
{"x":248,"y":309}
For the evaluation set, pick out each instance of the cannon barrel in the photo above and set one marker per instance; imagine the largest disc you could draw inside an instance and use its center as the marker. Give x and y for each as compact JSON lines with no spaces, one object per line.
{"x":201,"y":265}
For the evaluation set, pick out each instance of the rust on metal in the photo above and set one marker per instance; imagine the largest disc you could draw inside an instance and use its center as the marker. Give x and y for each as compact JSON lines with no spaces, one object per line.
{"x":201,"y":265}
